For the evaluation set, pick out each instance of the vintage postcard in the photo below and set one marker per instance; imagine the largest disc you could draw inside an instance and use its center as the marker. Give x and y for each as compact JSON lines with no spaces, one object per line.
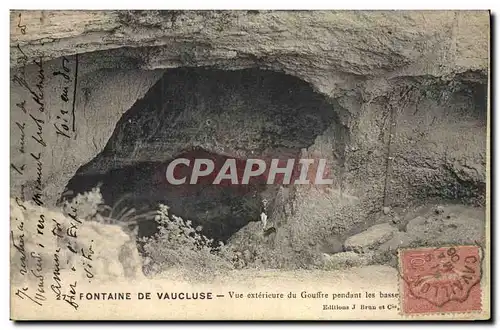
{"x":249,"y":165}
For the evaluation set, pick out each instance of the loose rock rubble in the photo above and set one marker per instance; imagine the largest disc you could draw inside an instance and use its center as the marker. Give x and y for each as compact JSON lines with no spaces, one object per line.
{"x":398,"y":240}
{"x":348,"y":259}
{"x":429,"y":227}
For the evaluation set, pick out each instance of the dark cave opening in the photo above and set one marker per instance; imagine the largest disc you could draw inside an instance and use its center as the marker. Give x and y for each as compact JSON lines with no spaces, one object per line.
{"x":204,"y":113}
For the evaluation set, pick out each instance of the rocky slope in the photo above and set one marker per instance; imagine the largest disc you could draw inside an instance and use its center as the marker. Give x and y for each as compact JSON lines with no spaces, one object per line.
{"x":406,"y":112}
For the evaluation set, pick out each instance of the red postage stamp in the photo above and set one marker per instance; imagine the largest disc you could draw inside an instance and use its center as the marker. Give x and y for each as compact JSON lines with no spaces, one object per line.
{"x":438,"y":280}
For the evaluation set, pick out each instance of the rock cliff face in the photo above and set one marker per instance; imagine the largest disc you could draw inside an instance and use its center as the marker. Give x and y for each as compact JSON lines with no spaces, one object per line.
{"x":210,"y":114}
{"x":395,"y":101}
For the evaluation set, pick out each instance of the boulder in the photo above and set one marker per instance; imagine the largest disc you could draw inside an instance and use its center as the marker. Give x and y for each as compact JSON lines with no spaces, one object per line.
{"x":331,"y":245}
{"x":398,"y":240}
{"x":454,"y":225}
{"x":370,"y":238}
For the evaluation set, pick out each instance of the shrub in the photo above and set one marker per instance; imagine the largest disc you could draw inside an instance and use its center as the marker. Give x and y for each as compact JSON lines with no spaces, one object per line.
{"x":177,"y":243}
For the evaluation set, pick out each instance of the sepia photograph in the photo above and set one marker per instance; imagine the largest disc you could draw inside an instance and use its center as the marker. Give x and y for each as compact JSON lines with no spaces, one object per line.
{"x":250,"y":165}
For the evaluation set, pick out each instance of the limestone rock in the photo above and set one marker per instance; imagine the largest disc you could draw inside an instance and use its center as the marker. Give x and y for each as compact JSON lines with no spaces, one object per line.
{"x":370,"y":238}
{"x":358,"y":42}
{"x":331,"y":245}
{"x":113,"y":252}
{"x":439,"y":209}
{"x":350,"y":56}
{"x":358,"y":60}
{"x":456,"y":225}
{"x":250,"y":235}
{"x":398,"y":240}
{"x":344,"y":260}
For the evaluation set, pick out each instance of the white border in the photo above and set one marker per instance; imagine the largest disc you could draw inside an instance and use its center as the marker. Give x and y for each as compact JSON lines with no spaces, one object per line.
{"x":190,"y":4}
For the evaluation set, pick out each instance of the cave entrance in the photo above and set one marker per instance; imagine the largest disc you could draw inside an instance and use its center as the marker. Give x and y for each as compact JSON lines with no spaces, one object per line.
{"x":204,"y":113}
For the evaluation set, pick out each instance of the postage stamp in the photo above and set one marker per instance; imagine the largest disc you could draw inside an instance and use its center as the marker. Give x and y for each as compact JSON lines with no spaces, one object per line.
{"x":438,"y":280}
